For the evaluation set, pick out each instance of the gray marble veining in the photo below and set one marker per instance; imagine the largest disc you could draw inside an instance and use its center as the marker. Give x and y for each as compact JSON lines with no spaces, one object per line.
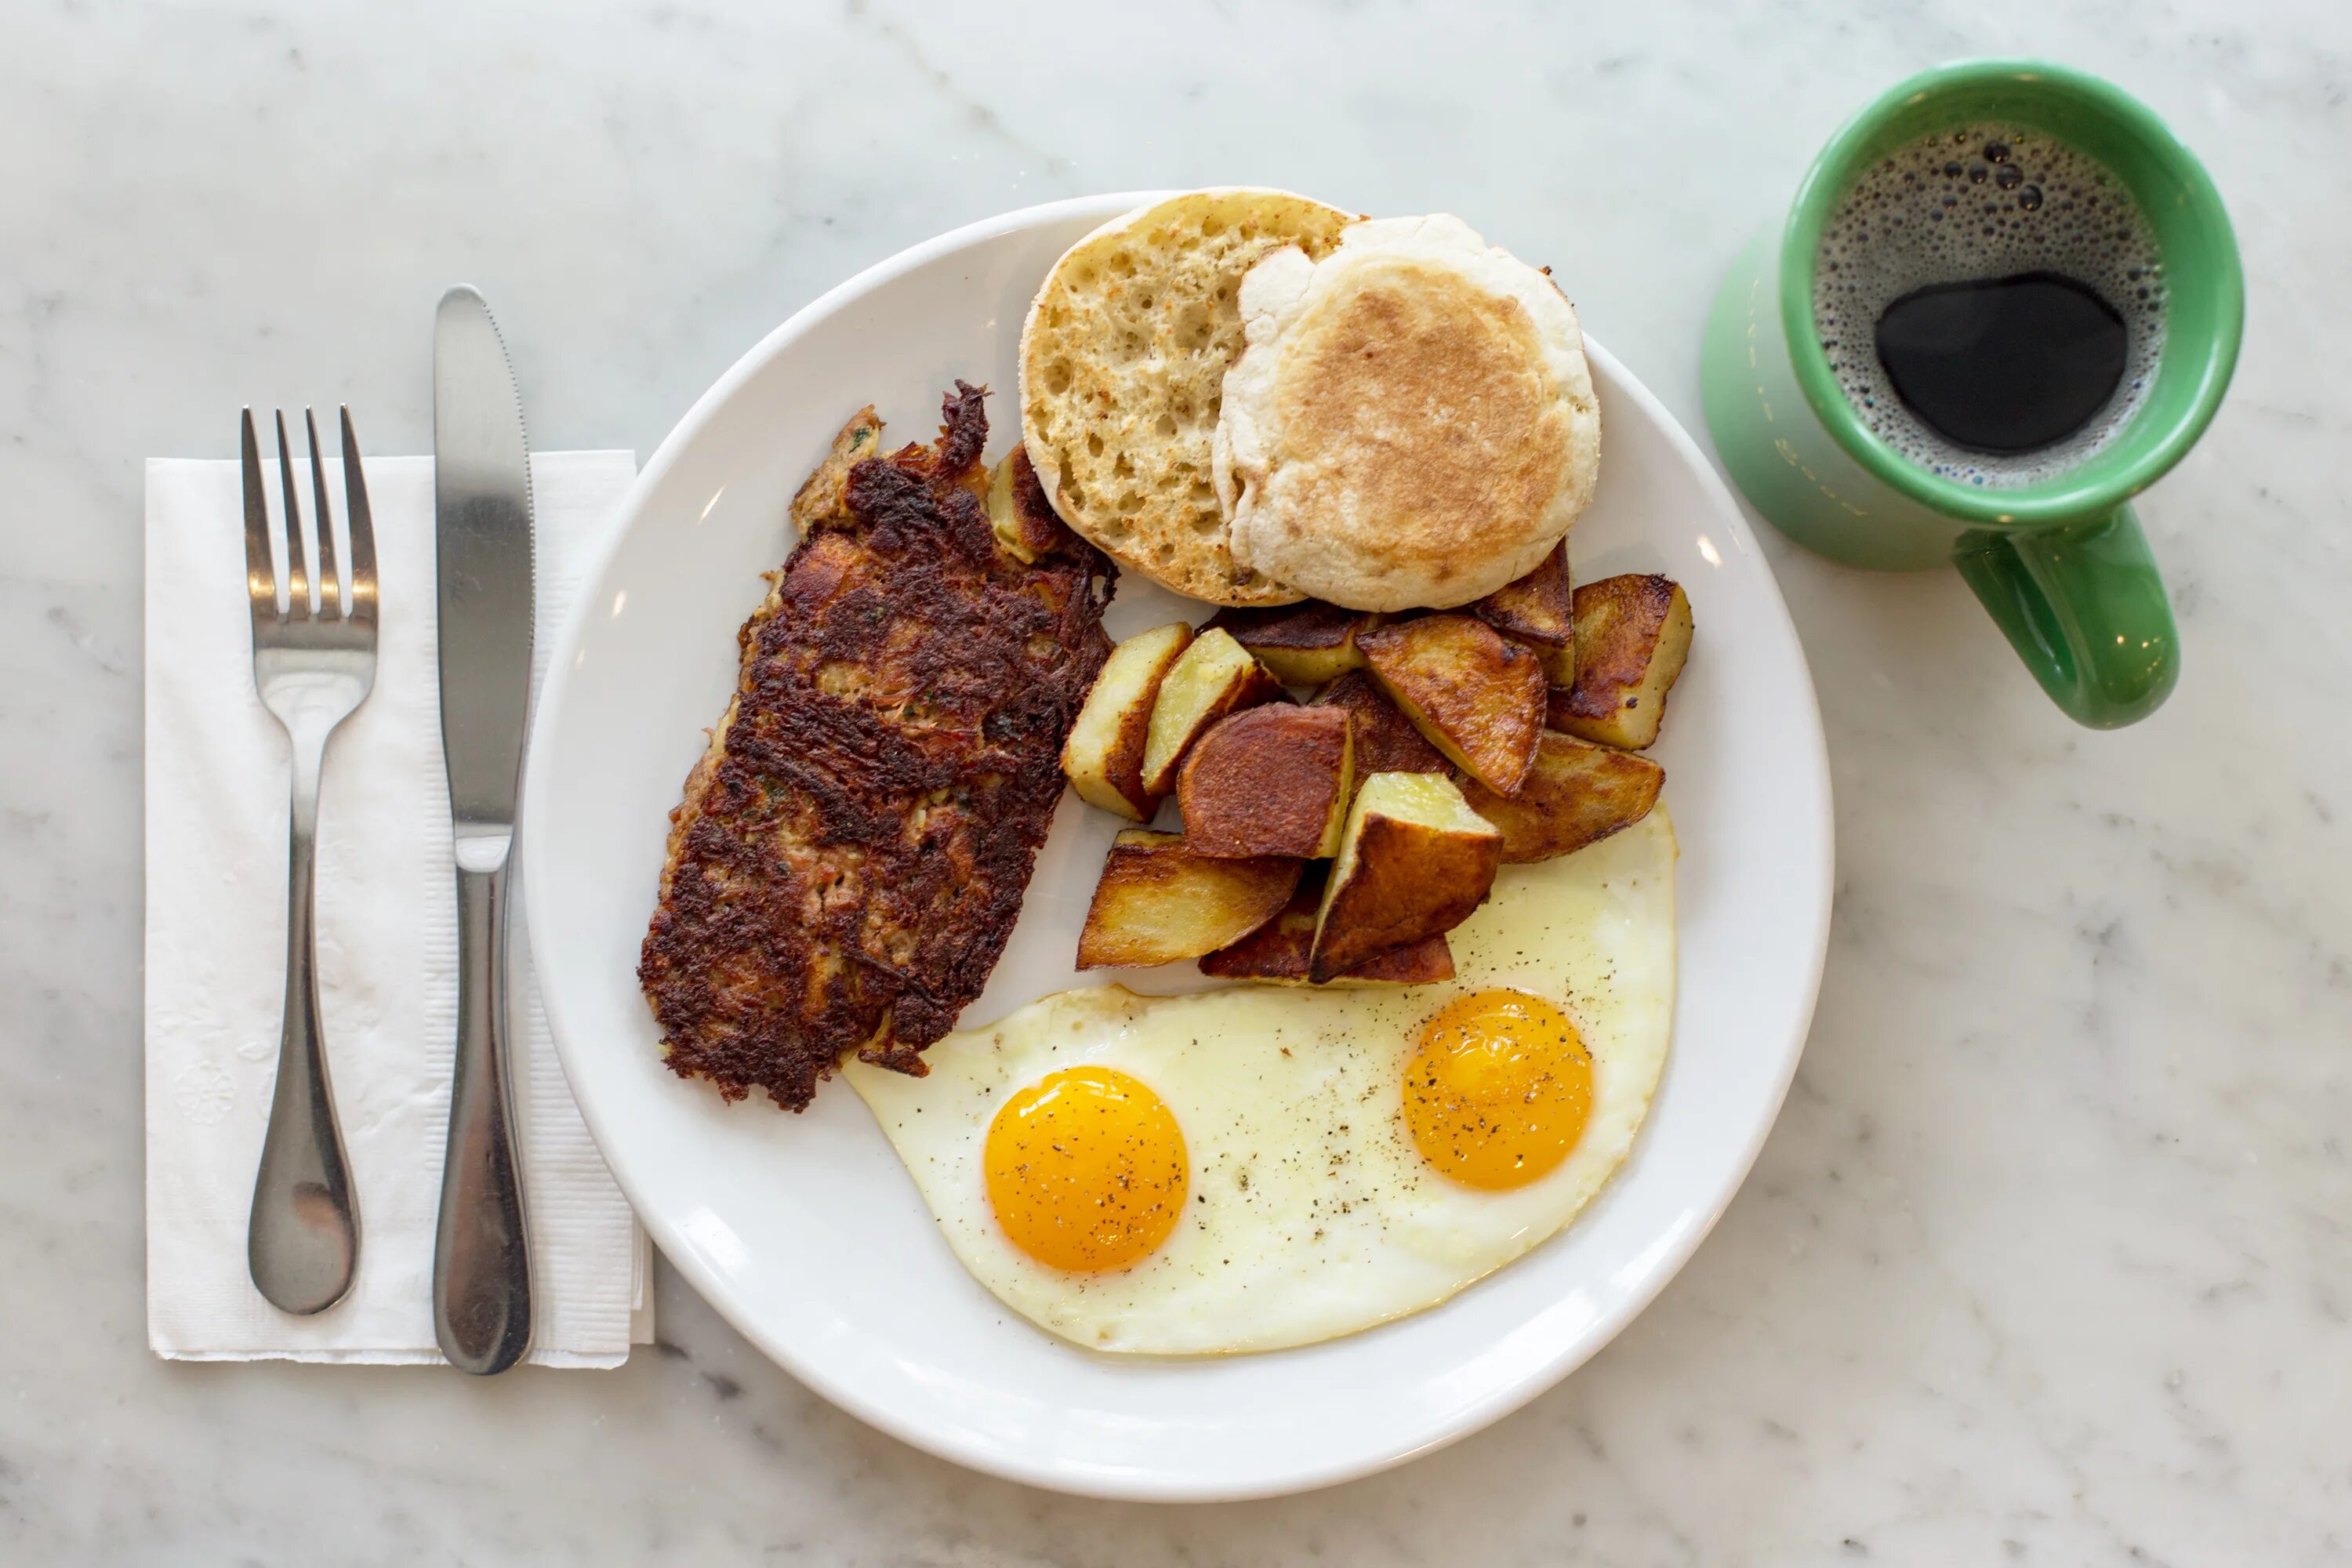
{"x":2048,"y":1259}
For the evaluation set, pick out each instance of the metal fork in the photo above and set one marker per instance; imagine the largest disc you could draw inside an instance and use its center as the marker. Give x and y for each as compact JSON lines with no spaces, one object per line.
{"x":312,"y":668}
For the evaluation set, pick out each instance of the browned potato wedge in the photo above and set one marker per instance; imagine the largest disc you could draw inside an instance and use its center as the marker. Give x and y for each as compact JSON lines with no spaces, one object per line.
{"x":1386,"y":742}
{"x":1159,"y":901}
{"x":1633,"y":634}
{"x":1577,"y":794}
{"x":1214,"y":676}
{"x":1018,"y":511}
{"x":1416,"y":860}
{"x":1104,"y":756}
{"x":1270,"y":780}
{"x":1538,"y":607}
{"x":1305,"y":644}
{"x":1476,"y":695}
{"x":1277,"y":951}
{"x":1538,"y":610}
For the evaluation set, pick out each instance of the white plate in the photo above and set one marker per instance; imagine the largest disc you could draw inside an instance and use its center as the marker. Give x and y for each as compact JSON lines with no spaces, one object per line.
{"x":806,"y":1233}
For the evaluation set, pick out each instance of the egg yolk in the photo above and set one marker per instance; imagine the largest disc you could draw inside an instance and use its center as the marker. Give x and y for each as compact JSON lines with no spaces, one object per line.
{"x":1086,"y":1170}
{"x":1499,"y":1089}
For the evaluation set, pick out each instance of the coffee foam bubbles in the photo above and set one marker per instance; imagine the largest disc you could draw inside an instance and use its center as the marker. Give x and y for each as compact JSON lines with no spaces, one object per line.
{"x":1970,"y":203}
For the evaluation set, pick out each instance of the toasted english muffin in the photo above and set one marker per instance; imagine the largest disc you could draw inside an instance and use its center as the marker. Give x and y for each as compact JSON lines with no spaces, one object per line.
{"x":1412,"y":423}
{"x":1122,"y":361}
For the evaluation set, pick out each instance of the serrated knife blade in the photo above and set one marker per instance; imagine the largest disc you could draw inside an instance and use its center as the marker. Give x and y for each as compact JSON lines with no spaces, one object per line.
{"x":482,"y":533}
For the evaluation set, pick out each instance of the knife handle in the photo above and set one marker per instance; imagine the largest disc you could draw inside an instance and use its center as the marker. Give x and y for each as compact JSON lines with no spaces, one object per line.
{"x":481,"y":1254}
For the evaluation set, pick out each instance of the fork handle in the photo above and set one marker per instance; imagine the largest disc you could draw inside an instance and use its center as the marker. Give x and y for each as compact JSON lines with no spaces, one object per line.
{"x":481,"y":1256}
{"x":302,"y":1240}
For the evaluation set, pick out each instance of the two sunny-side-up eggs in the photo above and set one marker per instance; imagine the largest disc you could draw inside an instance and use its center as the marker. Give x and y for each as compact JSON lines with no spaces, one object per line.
{"x":1260,"y":1166}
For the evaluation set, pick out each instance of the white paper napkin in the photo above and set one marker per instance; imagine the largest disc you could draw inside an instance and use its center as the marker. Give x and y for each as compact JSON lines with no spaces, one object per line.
{"x":216,"y":847}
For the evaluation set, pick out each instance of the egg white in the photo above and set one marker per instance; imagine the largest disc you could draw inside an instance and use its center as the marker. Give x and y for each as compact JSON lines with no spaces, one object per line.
{"x":1311,"y":1213}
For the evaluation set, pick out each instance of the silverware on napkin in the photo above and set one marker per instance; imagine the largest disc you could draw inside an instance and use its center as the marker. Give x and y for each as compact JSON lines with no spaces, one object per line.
{"x":312,"y":668}
{"x":482,"y":510}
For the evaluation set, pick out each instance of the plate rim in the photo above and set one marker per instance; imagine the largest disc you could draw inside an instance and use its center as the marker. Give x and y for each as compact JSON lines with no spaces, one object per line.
{"x":1540,"y":1377}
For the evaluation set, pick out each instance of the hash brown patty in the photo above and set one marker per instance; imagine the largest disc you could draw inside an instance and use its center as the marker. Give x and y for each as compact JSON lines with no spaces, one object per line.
{"x":853,"y":848}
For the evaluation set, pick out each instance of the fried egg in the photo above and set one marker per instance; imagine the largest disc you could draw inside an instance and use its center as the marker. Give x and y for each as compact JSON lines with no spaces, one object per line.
{"x":1260,"y":1166}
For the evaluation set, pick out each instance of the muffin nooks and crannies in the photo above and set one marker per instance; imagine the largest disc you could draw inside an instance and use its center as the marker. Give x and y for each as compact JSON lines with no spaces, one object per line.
{"x":1122,"y":361}
{"x":1410,"y":423}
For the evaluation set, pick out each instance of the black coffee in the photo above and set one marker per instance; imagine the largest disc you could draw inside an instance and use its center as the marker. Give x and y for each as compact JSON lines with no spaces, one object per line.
{"x":2006,"y":365}
{"x":1991,"y":303}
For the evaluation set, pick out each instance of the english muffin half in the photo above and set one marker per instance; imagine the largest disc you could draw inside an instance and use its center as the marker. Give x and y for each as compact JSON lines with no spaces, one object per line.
{"x":1123,"y":361}
{"x":1412,"y":423}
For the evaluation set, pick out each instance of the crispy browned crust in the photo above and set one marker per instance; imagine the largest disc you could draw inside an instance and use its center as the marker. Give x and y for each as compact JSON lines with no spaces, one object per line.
{"x":1193,"y":711}
{"x":852,"y":851}
{"x":1304,"y":644}
{"x":1309,"y":625}
{"x":823,"y":501}
{"x":1160,"y":899}
{"x":1473,"y":694}
{"x":1386,"y":740}
{"x":1409,"y":883}
{"x":1536,"y":608}
{"x":1577,"y":794}
{"x":1280,"y":949}
{"x":1041,"y":529}
{"x":1633,"y":634}
{"x":1267,"y":781}
{"x":1619,"y":619}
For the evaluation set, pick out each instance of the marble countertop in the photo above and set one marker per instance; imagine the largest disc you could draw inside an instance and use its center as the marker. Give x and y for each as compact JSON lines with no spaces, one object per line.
{"x":2050,"y":1257}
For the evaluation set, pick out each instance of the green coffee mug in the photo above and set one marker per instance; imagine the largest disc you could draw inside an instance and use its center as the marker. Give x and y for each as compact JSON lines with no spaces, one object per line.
{"x":2061,"y":565}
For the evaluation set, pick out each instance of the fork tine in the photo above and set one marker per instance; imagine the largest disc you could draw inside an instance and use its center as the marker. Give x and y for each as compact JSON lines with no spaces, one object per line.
{"x":298,"y":594}
{"x":260,"y":576}
{"x":362,"y":527}
{"x":331,"y":583}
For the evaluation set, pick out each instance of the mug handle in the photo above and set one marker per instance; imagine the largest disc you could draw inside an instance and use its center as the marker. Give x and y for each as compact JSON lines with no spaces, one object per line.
{"x":2084,"y":608}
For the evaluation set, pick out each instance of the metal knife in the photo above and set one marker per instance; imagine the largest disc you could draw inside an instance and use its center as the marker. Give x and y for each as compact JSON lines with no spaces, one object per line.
{"x":482,"y":526}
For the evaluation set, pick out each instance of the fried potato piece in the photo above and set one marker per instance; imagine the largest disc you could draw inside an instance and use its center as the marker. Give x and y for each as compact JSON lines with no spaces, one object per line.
{"x":1416,"y":861}
{"x":1018,"y":512}
{"x":1386,"y":742}
{"x":1278,"y":950}
{"x":1537,"y":608}
{"x":1577,"y":794}
{"x":1104,"y":756}
{"x":1305,"y":644}
{"x":1159,"y":901}
{"x":1273,"y":780}
{"x":1633,"y":634}
{"x":1216,"y":676}
{"x":1477,"y":697}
